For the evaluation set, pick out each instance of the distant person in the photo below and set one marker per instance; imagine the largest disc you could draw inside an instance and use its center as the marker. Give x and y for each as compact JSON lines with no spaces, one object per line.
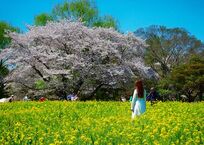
{"x":138,"y":105}
{"x":70,"y":97}
{"x":130,"y":99}
{"x":153,"y":96}
{"x":42,"y":99}
{"x":123,"y":99}
{"x":74,"y":97}
{"x":26,"y":98}
{"x":4,"y":100}
{"x":11,"y":98}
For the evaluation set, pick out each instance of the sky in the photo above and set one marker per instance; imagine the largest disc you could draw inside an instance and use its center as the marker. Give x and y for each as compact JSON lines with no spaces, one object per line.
{"x":130,"y":14}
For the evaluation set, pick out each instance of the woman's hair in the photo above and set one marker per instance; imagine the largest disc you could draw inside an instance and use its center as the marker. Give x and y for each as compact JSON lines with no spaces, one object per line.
{"x":140,"y":89}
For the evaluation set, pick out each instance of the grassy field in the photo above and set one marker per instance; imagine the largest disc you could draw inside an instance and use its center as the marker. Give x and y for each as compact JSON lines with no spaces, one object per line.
{"x":100,"y":123}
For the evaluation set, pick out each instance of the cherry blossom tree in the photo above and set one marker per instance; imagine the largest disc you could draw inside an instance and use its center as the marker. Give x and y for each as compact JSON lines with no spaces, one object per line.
{"x":67,"y":56}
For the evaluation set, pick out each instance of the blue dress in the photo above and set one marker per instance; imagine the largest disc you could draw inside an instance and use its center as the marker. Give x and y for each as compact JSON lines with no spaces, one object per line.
{"x":138,"y":105}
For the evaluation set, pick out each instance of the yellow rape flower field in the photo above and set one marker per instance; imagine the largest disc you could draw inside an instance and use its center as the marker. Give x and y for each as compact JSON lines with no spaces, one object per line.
{"x":100,"y":123}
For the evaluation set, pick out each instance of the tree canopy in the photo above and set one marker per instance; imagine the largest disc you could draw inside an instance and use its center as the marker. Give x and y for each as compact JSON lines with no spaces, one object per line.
{"x":187,"y":79}
{"x":42,"y":19}
{"x":4,"y":28}
{"x":83,"y":10}
{"x":168,"y":47}
{"x":64,"y":57}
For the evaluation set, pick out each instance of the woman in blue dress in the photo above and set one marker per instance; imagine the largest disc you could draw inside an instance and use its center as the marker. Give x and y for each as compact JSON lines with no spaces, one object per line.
{"x":138,"y":105}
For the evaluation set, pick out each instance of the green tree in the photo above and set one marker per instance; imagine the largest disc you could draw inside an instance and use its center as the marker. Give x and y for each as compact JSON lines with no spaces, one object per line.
{"x":106,"y":22}
{"x":83,"y":10}
{"x":3,"y":72}
{"x":4,"y":40}
{"x":187,"y":79}
{"x":168,"y":47}
{"x":42,"y":19}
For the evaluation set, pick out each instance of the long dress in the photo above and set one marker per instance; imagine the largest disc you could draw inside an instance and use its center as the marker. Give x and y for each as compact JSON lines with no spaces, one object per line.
{"x":138,"y":105}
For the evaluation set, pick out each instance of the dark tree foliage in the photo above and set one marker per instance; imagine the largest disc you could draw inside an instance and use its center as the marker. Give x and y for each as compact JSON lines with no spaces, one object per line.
{"x":186,"y":79}
{"x":3,"y":72}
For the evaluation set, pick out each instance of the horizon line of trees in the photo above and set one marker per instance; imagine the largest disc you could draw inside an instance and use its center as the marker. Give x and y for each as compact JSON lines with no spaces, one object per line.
{"x":173,"y":53}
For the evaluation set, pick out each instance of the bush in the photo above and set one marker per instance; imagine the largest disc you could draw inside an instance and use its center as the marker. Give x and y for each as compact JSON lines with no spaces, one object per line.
{"x":40,"y":85}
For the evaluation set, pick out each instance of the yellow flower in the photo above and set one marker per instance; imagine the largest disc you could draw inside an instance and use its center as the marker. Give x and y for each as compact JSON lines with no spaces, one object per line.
{"x":156,"y":142}
{"x":155,"y":131}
